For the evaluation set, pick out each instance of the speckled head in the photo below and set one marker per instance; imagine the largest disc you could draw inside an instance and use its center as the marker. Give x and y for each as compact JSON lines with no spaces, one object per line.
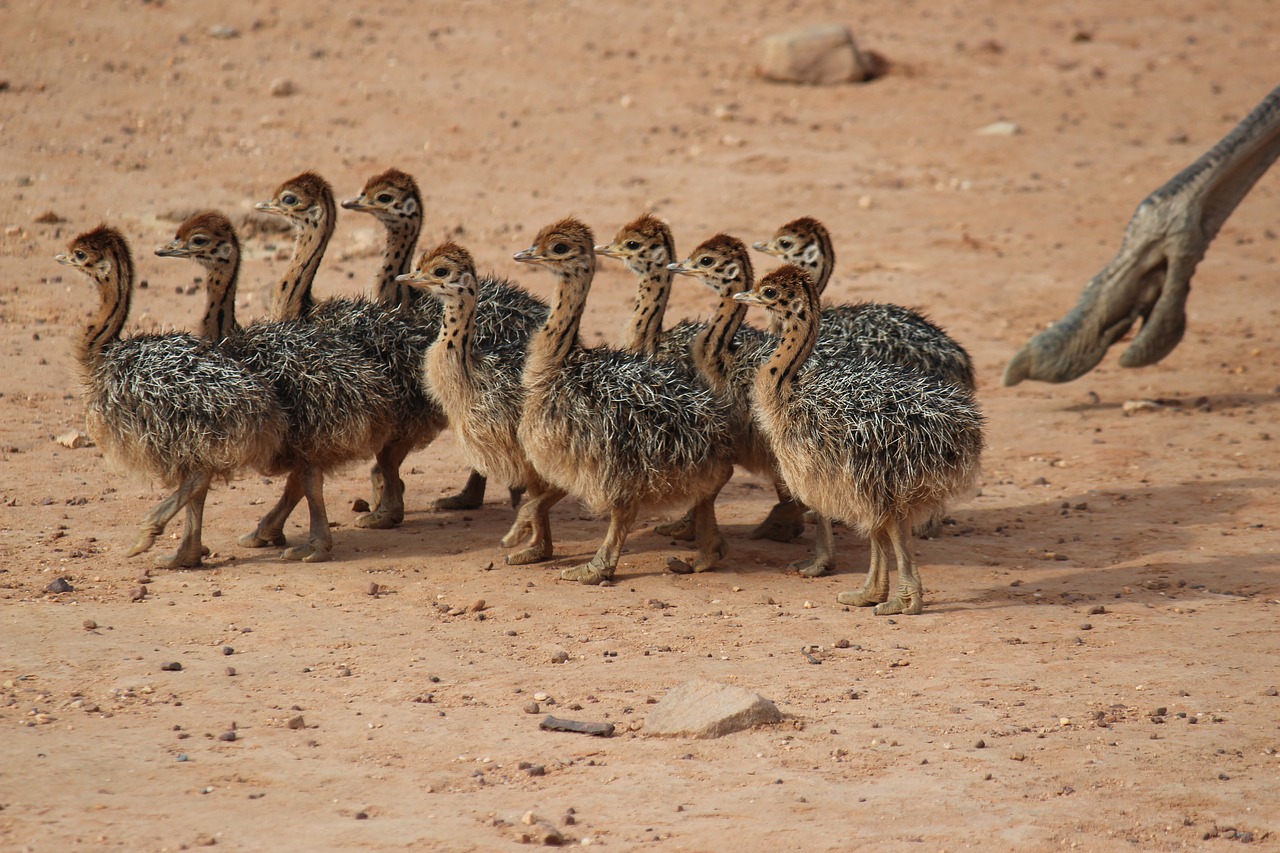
{"x":392,"y":196}
{"x":207,"y":237}
{"x":721,"y":263}
{"x":643,"y":244}
{"x":444,"y":267}
{"x":785,"y":292}
{"x":98,"y":252}
{"x":561,"y":246}
{"x":303,"y":199}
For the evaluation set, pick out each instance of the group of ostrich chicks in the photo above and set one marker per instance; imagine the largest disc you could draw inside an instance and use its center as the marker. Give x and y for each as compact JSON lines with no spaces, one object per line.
{"x":858,"y":413}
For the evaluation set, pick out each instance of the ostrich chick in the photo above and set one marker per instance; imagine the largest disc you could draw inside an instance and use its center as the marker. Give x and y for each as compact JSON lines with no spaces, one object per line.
{"x":617,"y":430}
{"x":866,"y":443}
{"x":646,"y":247}
{"x":169,"y":405}
{"x":328,"y":388}
{"x":482,"y":394}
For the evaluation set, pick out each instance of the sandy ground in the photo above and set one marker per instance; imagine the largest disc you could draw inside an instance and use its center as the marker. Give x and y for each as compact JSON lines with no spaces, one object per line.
{"x":1097,"y":664}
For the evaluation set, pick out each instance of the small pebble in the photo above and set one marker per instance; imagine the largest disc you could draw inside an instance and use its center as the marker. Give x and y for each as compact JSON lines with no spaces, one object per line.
{"x":223,"y":31}
{"x":1097,"y":610}
{"x":841,"y":644}
{"x":536,"y":770}
{"x":373,"y":589}
{"x":532,"y":708}
{"x":228,"y":736}
{"x":231,"y":670}
{"x":171,"y":666}
{"x":360,"y":505}
{"x":981,"y":744}
{"x":476,"y":606}
{"x":227,"y":650}
{"x":344,"y":671}
{"x":362,"y":815}
{"x":90,"y":625}
{"x":1085,"y":626}
{"x":296,"y":722}
{"x":282,"y":87}
{"x":560,"y":656}
{"x":60,"y":585}
{"x":138,"y":594}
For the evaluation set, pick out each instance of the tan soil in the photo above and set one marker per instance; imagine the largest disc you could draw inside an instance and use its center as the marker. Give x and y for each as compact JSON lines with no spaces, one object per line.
{"x":512,"y":115}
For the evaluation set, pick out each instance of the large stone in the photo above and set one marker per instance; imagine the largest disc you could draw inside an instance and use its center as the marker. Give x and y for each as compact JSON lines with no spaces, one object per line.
{"x":704,"y":709}
{"x":818,"y":55}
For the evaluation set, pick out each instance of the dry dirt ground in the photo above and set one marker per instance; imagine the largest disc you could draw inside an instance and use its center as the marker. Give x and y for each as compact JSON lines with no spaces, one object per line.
{"x":1097,"y":664}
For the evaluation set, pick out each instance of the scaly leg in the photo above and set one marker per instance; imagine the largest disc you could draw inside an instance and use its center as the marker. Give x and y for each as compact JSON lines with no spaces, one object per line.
{"x":537,"y":511}
{"x":875,"y":588}
{"x":785,"y":521}
{"x":711,"y":545}
{"x":190,"y":550}
{"x":682,"y":528}
{"x":154,"y":522}
{"x":910,"y":598}
{"x":824,"y":545}
{"x":319,"y":545}
{"x":605,"y":561}
{"x":270,"y":530}
{"x":471,"y":496}
{"x":389,"y":506}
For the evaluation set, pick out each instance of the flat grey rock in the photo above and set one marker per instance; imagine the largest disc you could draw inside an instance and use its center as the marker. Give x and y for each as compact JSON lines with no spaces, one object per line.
{"x":819,"y":55}
{"x":704,"y":709}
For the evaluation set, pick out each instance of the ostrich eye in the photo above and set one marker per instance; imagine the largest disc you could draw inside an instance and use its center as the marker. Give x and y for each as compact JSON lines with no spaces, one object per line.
{"x":200,"y":240}
{"x":705,"y":261}
{"x":559,"y":249}
{"x":440,"y":272}
{"x":769,"y":293}
{"x":384,"y":198}
{"x":81,"y":256}
{"x":786,"y":243}
{"x":289,"y":199}
{"x":633,"y":245}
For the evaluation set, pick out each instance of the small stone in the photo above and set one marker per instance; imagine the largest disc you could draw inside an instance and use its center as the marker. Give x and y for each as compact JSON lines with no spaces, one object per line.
{"x":841,"y":644}
{"x":74,"y":440}
{"x":1085,"y":626}
{"x":138,"y":593}
{"x":205,"y":840}
{"x":362,"y":815}
{"x":59,"y":585}
{"x":532,"y":708}
{"x":223,"y":31}
{"x":344,"y":671}
{"x":1097,"y":610}
{"x":360,"y":505}
{"x":1018,"y":756}
{"x":476,"y":606}
{"x":559,"y":656}
{"x":704,"y":709}
{"x":283,"y":87}
{"x":171,"y":666}
{"x":1000,"y":128}
{"x":678,"y":567}
{"x":231,"y":670}
{"x":536,"y":770}
{"x":228,"y":736}
{"x":90,"y":625}
{"x":819,"y":55}
{"x":372,"y":589}
{"x":981,"y":744}
{"x":296,"y":723}
{"x":227,"y":650}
